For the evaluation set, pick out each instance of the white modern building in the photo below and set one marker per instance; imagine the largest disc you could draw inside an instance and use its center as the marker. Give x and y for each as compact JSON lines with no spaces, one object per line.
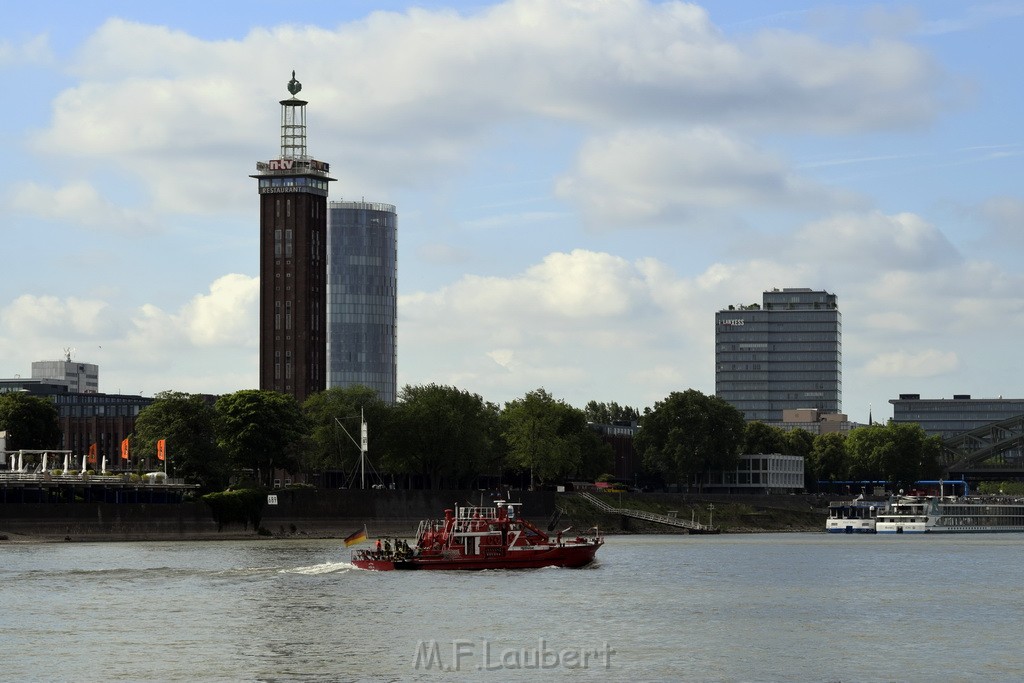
{"x":82,"y":378}
{"x":760,"y":473}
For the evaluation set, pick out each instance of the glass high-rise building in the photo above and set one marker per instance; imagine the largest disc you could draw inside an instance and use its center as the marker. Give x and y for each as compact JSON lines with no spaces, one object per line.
{"x":362,"y":296}
{"x":785,"y":353}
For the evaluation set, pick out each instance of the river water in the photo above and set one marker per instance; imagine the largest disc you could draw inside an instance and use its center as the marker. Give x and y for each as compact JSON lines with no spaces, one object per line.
{"x":759,"y":607}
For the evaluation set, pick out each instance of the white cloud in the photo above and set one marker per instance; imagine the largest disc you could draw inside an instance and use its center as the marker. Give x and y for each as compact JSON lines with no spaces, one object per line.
{"x":874,"y":241}
{"x":646,"y":175}
{"x":398,"y":96}
{"x":575,"y":323}
{"x":79,"y":203}
{"x":443,"y":253}
{"x":208,"y":346}
{"x":912,"y":308}
{"x":922,"y":363}
{"x":30,"y":316}
{"x":227,"y":316}
{"x":34,"y":51}
{"x":1003,"y":220}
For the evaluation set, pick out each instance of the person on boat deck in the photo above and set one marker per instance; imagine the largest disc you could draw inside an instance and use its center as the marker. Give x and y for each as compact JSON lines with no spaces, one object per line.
{"x":378,"y":545}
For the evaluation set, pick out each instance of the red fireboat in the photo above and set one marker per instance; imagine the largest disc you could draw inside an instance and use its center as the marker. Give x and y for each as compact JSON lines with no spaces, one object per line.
{"x":479,"y":537}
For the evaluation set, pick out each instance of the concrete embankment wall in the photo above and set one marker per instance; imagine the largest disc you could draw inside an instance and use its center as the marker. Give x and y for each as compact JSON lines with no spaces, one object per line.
{"x":112,"y":521}
{"x":332,"y":513}
{"x":303,"y":511}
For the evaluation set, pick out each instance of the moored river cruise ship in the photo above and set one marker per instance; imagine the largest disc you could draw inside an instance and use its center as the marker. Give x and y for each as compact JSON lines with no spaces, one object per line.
{"x":949,"y":514}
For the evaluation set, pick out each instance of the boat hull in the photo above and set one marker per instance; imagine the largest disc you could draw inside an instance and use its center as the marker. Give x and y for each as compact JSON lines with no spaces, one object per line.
{"x":572,"y":557}
{"x":850,"y":526}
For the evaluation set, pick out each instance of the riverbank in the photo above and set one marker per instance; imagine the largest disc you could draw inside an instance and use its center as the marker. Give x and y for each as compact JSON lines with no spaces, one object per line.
{"x":307,"y":513}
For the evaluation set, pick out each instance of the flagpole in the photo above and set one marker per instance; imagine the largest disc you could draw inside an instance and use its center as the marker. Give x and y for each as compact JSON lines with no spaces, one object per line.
{"x":363,"y":444}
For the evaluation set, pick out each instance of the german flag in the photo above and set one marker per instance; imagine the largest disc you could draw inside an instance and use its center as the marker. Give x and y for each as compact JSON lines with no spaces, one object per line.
{"x":356,"y":537}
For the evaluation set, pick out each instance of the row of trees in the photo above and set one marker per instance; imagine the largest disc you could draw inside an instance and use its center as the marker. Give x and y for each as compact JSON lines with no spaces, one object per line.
{"x":434,"y":436}
{"x":688,"y":434}
{"x":437,"y":436}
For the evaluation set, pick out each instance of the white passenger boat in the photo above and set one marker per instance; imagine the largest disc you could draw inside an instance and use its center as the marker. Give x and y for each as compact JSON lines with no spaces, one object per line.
{"x":855,"y":516}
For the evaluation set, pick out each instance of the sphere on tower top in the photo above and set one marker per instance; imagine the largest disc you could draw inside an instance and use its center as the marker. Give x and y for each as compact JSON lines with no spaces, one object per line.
{"x":293,"y":85}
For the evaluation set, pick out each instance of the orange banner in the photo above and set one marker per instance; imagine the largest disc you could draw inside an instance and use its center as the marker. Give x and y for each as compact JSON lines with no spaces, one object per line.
{"x":161,"y":449}
{"x":92,"y":454}
{"x":124,"y":449}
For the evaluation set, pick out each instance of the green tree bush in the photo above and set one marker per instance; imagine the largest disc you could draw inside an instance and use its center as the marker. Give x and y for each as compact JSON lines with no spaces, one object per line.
{"x":689,"y":433}
{"x":188,"y":424}
{"x":260,"y":430}
{"x":31,"y":422}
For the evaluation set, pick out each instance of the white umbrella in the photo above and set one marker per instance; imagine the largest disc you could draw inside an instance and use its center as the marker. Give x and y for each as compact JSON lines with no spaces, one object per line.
{"x":104,"y":464}
{"x":66,"y":463}
{"x":83,"y":463}
{"x":45,"y":457}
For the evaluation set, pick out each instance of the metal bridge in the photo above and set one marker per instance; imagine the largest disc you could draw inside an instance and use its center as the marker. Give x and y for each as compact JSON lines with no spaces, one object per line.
{"x":994,"y":449}
{"x":667,"y":520}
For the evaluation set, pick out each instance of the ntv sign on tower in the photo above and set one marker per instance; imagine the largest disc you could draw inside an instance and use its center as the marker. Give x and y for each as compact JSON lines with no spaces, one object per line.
{"x":294,"y":165}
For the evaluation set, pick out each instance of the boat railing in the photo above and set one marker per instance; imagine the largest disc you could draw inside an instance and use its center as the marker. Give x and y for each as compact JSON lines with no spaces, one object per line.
{"x":476,"y":512}
{"x":429,"y":525}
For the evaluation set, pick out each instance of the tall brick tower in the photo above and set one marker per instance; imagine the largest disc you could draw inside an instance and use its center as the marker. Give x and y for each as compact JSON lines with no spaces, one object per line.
{"x":293,"y":260}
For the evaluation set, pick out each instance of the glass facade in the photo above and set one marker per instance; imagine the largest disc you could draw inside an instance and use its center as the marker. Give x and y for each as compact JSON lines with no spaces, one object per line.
{"x":947,"y":418}
{"x":784,"y":354}
{"x":362,"y":296}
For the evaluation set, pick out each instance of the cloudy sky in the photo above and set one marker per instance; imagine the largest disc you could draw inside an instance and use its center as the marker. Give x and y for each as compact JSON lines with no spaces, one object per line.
{"x":580,"y":184}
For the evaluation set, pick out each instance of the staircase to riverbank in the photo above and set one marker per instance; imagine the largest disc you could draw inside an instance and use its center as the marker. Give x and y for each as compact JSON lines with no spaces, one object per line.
{"x":667,"y":520}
